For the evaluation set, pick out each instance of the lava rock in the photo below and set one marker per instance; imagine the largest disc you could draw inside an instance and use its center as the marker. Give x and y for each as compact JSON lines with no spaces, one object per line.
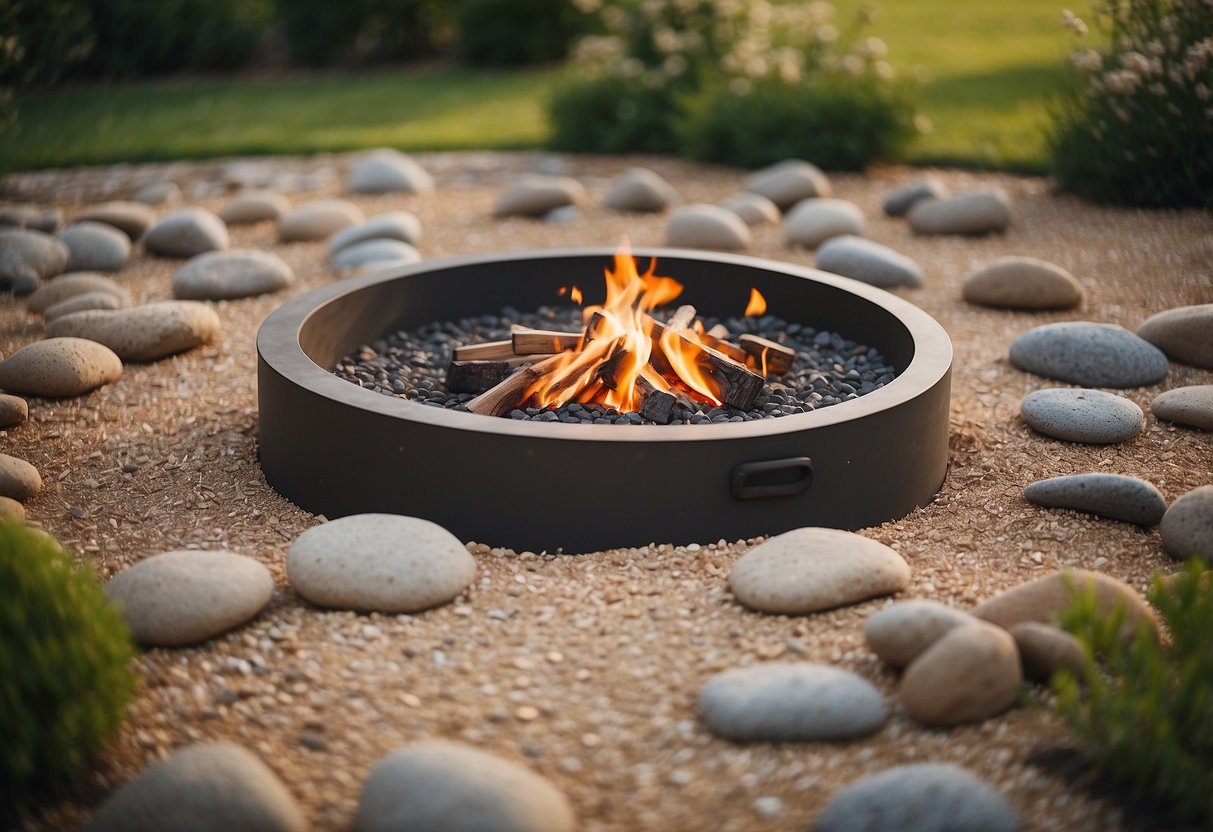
{"x":813,"y":221}
{"x":921,"y":797}
{"x":969,"y":675}
{"x":24,"y":216}
{"x":640,"y":191}
{"x":812,"y":569}
{"x":1187,"y":527}
{"x":537,"y":194}
{"x":1090,"y":354}
{"x":204,"y":787}
{"x":71,"y":285}
{"x":225,"y":275}
{"x":10,"y":509}
{"x":1191,"y":406}
{"x":1185,"y":334}
{"x":700,"y":225}
{"x":131,"y":218}
{"x":1023,"y":283}
{"x":27,"y":257}
{"x":187,"y":233}
{"x":899,"y":203}
{"x":790,"y":702}
{"x":973,"y":213}
{"x":18,"y":479}
{"x":788,"y":182}
{"x":13,"y":410}
{"x":59,"y":368}
{"x":186,"y":597}
{"x":95,"y":246}
{"x":83,"y":303}
{"x":375,"y":254}
{"x":861,"y":259}
{"x":144,"y":333}
{"x":754,"y":209}
{"x":901,"y":632}
{"x":1076,"y":415}
{"x":1113,"y":496}
{"x":254,"y":206}
{"x":388,"y":171}
{"x":449,"y":786}
{"x":379,"y":563}
{"x":318,"y":220}
{"x":1044,"y":650}
{"x":394,"y":225}
{"x":162,"y":192}
{"x":1044,"y":599}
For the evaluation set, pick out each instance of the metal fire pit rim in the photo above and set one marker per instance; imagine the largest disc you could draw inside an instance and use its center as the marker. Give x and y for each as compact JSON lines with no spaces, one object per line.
{"x":278,"y":346}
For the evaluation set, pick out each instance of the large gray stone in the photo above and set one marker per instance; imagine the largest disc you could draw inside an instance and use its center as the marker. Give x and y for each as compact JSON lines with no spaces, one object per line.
{"x":394,"y":225}
{"x":59,"y":368}
{"x":19,"y":480}
{"x":318,"y":220}
{"x":131,"y":218}
{"x":187,"y":233}
{"x":26,"y":257}
{"x":27,"y":216}
{"x":1044,"y":650}
{"x":789,"y":182}
{"x":83,"y":303}
{"x":813,"y":221}
{"x":899,"y":203}
{"x":1044,"y":599}
{"x":160,"y":192}
{"x":640,"y":191}
{"x":1079,"y":415}
{"x":707,"y":226}
{"x":95,"y":247}
{"x":790,"y":702}
{"x":536,"y":194}
{"x":388,"y":171}
{"x":144,"y":333}
{"x":70,"y":285}
{"x":369,"y":254}
{"x":1114,"y":496}
{"x":901,"y":632}
{"x":224,"y":275}
{"x":254,"y":206}
{"x":1187,"y":527}
{"x":973,"y":213}
{"x":754,"y":209}
{"x":971,"y":673}
{"x":13,"y":410}
{"x":1023,"y":283}
{"x":861,"y":259}
{"x":1185,"y":334}
{"x":1090,"y":354}
{"x":10,"y":509}
{"x":1191,"y":406}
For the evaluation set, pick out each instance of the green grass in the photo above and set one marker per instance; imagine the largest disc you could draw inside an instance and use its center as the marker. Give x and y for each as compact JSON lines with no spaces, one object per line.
{"x":989,"y":70}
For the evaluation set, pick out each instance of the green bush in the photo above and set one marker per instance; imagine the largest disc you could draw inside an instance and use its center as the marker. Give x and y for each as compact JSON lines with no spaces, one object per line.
{"x":1136,"y":127}
{"x":503,"y":32}
{"x":64,"y":674}
{"x":1144,"y":709}
{"x":40,"y":40}
{"x":613,"y":115}
{"x":322,"y":33}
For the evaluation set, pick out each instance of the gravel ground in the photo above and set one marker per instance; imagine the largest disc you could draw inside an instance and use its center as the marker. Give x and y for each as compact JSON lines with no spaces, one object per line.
{"x":586,"y":668}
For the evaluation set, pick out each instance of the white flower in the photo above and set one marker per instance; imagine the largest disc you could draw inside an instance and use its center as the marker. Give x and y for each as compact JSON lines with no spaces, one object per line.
{"x":826,"y":33}
{"x":883,"y":69}
{"x":875,"y":47}
{"x":1121,"y":82}
{"x":1087,"y":61}
{"x":853,"y":64}
{"x":587,"y":6}
{"x":674,"y":65}
{"x":1073,"y":22}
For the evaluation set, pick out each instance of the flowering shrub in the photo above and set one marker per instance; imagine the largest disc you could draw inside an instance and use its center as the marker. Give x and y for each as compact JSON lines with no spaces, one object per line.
{"x":678,"y":75}
{"x":1137,"y":126}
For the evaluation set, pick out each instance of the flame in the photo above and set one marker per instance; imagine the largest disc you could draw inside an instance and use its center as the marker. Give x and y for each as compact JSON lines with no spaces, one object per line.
{"x":575,"y":295}
{"x":757,"y":304}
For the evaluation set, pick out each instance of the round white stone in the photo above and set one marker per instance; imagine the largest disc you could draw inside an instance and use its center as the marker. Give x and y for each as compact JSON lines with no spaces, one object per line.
{"x":536,"y":194}
{"x":143,"y":333}
{"x":389,"y":171}
{"x":131,"y":218}
{"x":187,"y":233}
{"x":18,"y":479}
{"x":95,"y":246}
{"x":707,"y":226}
{"x":254,"y":206}
{"x":59,"y":367}
{"x":813,"y":221}
{"x":317,"y":220}
{"x":870,"y":262}
{"x":394,"y":225}
{"x":70,"y":285}
{"x":640,"y":190}
{"x":973,"y":213}
{"x":754,"y":209}
{"x":1078,"y":415}
{"x":375,"y":254}
{"x":1114,"y":496}
{"x":224,"y":275}
{"x":1090,"y":354}
{"x":1187,"y":527}
{"x":789,"y":182}
{"x":1191,"y":406}
{"x":901,"y":632}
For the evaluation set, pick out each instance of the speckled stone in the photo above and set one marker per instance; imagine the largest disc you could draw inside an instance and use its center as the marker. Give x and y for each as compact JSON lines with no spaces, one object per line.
{"x":813,"y":221}
{"x":812,"y":569}
{"x":899,"y":203}
{"x":1187,"y":527}
{"x":162,"y":192}
{"x":1044,"y":650}
{"x":1090,"y":354}
{"x":13,"y":410}
{"x":18,"y":479}
{"x":131,"y":218}
{"x":95,"y":247}
{"x":1044,"y":599}
{"x":1078,"y":415}
{"x":790,"y":702}
{"x":375,"y":254}
{"x":789,"y":182}
{"x":144,"y":333}
{"x":440,"y":785}
{"x":27,"y":216}
{"x":921,"y":797}
{"x":971,"y":214}
{"x":537,"y":194}
{"x":707,"y":226}
{"x":870,"y":262}
{"x":379,"y":563}
{"x":83,"y":303}
{"x":254,"y":206}
{"x":388,"y":171}
{"x":226,"y":275}
{"x":10,"y":509}
{"x":1023,"y":283}
{"x":640,"y":191}
{"x":317,"y":220}
{"x":1113,"y":496}
{"x":186,"y":597}
{"x":754,"y":209}
{"x":394,"y":225}
{"x":902,"y":631}
{"x":187,"y":233}
{"x":28,"y":256}
{"x":969,"y":674}
{"x":1191,"y":406}
{"x":205,"y":787}
{"x":70,"y":285}
{"x":1185,"y":334}
{"x":59,"y":368}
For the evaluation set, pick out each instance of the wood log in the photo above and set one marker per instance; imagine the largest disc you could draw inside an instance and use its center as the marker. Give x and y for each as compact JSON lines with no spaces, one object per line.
{"x":509,"y":393}
{"x":720,"y":345}
{"x":778,"y":358}
{"x":736,"y":385}
{"x":656,"y":405}
{"x":544,"y":341}
{"x":478,"y":376}
{"x":488,"y":351}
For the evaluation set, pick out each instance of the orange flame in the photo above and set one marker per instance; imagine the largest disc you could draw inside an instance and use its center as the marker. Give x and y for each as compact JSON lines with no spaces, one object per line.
{"x":757,"y":305}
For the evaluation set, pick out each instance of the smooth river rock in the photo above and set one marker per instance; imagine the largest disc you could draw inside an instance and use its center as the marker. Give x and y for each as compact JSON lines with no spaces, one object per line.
{"x":83,"y":303}
{"x":375,"y":254}
{"x":899,"y":203}
{"x":18,"y":479}
{"x":1090,"y":354}
{"x":26,"y":257}
{"x":969,"y":674}
{"x":317,"y":220}
{"x":813,"y":221}
{"x":901,"y":632}
{"x":1191,"y":406}
{"x":754,"y":209}
{"x":379,"y":563}
{"x":861,"y":259}
{"x":144,"y":333}
{"x":789,"y":182}
{"x":225,"y":275}
{"x":537,"y":194}
{"x":1185,"y":334}
{"x":10,"y":509}
{"x":27,"y":216}
{"x":1044,"y":650}
{"x":1023,"y":283}
{"x":1078,"y":415}
{"x":973,"y":213}
{"x":59,"y":368}
{"x":204,"y":787}
{"x":187,"y":233}
{"x":95,"y":247}
{"x":1187,"y":527}
{"x":640,"y":191}
{"x":790,"y":702}
{"x":440,"y":785}
{"x":1044,"y":599}
{"x":700,"y":225}
{"x":812,"y":569}
{"x":254,"y":206}
{"x":394,"y":225}
{"x":13,"y":410}
{"x":131,"y":218}
{"x":186,"y":597}
{"x":161,"y":192}
{"x":1113,"y":496}
{"x":920,"y":797}
{"x":71,"y":285}
{"x":388,"y":171}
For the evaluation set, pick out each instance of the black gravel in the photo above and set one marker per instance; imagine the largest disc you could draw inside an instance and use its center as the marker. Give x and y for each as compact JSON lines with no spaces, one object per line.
{"x":828,"y":368}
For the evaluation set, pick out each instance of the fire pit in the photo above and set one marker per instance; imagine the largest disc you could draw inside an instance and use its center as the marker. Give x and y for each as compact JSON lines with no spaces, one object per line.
{"x":337,"y":449}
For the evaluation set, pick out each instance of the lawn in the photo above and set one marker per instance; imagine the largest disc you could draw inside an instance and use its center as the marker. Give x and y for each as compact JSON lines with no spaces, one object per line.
{"x":988,"y":70}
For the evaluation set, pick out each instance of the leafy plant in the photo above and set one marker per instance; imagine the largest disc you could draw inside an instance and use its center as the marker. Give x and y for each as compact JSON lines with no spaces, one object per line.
{"x":497,"y":32}
{"x":1144,"y":708}
{"x":64,"y":674}
{"x":40,"y":40}
{"x":321,"y":32}
{"x":1136,"y":126}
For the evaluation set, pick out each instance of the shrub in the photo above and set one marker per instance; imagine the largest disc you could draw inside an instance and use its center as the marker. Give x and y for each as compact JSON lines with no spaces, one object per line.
{"x":40,"y":40}
{"x":516,"y":31}
{"x":1145,"y":714}
{"x":321,"y":32}
{"x":1136,"y":127}
{"x":613,"y":115}
{"x":64,"y":675}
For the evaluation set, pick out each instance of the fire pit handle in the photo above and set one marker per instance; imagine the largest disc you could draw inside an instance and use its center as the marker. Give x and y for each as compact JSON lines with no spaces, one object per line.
{"x":772,"y":478}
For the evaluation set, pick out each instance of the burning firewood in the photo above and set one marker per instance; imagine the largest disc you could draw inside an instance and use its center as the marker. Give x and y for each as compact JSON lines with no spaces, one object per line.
{"x":477,"y":376}
{"x":771,"y":356}
{"x":543,"y":341}
{"x":507,"y":395}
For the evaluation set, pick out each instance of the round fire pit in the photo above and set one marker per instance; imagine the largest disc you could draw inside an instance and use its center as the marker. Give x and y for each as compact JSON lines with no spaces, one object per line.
{"x":337,"y":449}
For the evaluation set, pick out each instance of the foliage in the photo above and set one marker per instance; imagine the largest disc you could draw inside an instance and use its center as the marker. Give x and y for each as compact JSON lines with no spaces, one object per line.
{"x":64,"y":675}
{"x":321,"y":32}
{"x":40,"y":40}
{"x":613,"y":115}
{"x":1144,"y":708}
{"x":505,"y":32}
{"x":1136,"y":127}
